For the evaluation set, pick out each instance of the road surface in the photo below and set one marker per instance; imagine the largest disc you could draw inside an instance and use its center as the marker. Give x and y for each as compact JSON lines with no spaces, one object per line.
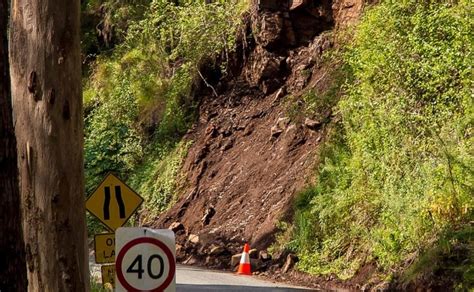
{"x":191,"y":279}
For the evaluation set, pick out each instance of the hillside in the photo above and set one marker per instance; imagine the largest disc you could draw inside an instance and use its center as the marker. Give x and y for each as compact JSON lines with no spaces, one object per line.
{"x":250,"y":154}
{"x":333,"y":133}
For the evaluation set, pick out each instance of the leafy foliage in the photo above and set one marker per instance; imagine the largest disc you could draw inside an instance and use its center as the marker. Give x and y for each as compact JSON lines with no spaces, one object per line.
{"x":105,"y":23}
{"x":159,"y":177}
{"x":139,"y":100}
{"x":397,"y":171}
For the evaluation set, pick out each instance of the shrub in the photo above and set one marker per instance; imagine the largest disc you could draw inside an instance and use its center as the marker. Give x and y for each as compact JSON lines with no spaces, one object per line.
{"x":138,"y":98}
{"x":398,"y":172}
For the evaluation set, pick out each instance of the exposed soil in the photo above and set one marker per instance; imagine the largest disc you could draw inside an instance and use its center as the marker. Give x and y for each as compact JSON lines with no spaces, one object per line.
{"x":248,"y":158}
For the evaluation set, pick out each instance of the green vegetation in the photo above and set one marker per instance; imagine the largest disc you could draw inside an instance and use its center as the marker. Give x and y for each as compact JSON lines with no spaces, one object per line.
{"x":159,"y":177}
{"x":395,"y":181}
{"x":396,"y":175}
{"x":139,"y":97}
{"x":98,"y":287}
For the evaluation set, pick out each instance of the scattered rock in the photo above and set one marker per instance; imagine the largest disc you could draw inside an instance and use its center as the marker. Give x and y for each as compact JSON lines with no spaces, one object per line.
{"x":291,"y":259}
{"x":384,"y":286}
{"x":293,"y":138}
{"x":274,"y":269}
{"x":227,"y":132}
{"x":235,"y":260}
{"x":176,"y":226}
{"x":227,"y":145}
{"x":264,"y":256}
{"x":253,"y":253}
{"x":279,"y":126}
{"x":283,"y":122}
{"x":280,"y":93}
{"x":275,"y":132}
{"x":312,"y":124}
{"x":280,"y":256}
{"x":217,"y":250}
{"x":211,"y":131}
{"x":257,"y":265}
{"x":292,"y":129}
{"x":193,"y":238}
{"x":179,"y":248}
{"x":192,"y":260}
{"x":206,"y":219}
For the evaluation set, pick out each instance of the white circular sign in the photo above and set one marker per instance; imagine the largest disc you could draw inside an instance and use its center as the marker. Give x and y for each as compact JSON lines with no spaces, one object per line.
{"x":145,"y":263}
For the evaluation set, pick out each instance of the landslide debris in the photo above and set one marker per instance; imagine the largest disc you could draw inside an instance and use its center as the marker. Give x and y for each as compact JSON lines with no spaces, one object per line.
{"x":249,"y":157}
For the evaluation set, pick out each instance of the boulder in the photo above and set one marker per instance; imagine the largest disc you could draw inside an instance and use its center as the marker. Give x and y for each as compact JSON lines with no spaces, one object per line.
{"x":312,"y":124}
{"x":283,"y":122}
{"x":176,"y":226}
{"x":264,"y":256}
{"x":275,"y":132}
{"x":235,"y":259}
{"x":216,"y":250}
{"x":192,"y":260}
{"x":193,"y":238}
{"x":227,"y":145}
{"x":206,"y":219}
{"x":297,"y":4}
{"x":257,"y":265}
{"x":268,"y":29}
{"x":291,"y":260}
{"x":253,"y":253}
{"x":279,"y":127}
{"x":265,"y":66}
{"x":279,"y":94}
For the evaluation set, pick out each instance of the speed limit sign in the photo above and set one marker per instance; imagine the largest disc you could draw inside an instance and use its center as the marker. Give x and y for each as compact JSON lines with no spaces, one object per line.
{"x":145,"y":260}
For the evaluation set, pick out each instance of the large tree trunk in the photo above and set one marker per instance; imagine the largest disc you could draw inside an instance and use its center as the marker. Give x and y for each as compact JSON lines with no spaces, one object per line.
{"x":47,"y":104}
{"x":12,"y":256}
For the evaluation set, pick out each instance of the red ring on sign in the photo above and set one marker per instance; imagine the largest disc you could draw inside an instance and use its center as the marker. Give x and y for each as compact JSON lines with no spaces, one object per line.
{"x":149,"y":240}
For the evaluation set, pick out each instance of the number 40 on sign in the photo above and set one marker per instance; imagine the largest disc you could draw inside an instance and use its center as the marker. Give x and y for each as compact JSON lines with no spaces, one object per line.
{"x":145,"y":260}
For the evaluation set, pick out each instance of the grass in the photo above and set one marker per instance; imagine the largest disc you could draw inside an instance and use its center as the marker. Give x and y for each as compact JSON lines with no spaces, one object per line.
{"x":395,"y":174}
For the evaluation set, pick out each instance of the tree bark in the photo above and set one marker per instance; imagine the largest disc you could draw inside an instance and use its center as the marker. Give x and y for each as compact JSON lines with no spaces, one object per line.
{"x":12,"y":255}
{"x":47,"y":104}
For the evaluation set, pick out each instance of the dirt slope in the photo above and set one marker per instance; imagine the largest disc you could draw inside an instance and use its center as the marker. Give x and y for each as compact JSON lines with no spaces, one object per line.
{"x":248,"y":158}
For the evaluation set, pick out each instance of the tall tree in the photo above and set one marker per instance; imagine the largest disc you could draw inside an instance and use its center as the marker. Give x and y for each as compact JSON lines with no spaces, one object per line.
{"x":45,"y":70}
{"x":12,"y":256}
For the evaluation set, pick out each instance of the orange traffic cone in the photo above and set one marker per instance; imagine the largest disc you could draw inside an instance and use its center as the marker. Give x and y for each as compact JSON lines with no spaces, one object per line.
{"x":244,"y":267}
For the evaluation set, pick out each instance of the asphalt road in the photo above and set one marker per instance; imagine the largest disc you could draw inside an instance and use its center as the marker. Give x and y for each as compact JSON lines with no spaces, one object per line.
{"x":190,"y":279}
{"x":193,"y":279}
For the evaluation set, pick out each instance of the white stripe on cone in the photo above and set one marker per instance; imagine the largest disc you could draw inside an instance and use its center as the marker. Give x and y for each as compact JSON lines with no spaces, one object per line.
{"x":245,"y":259}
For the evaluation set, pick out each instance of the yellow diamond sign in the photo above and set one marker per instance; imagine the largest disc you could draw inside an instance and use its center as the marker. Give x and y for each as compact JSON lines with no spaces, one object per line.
{"x":113,"y":202}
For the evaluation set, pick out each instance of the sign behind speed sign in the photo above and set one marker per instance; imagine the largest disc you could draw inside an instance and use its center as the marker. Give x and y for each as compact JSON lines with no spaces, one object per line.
{"x":104,"y":246}
{"x":145,"y":260}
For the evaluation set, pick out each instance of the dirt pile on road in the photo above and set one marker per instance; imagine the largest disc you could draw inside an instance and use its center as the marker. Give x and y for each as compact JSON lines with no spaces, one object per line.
{"x":248,"y":157}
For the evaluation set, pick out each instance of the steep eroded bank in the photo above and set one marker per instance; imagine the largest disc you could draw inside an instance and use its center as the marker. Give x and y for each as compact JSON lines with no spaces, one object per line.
{"x":248,"y":158}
